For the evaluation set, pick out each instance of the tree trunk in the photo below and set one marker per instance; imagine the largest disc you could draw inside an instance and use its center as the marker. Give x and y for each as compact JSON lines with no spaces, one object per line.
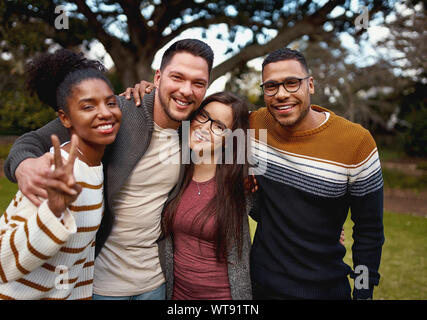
{"x":131,"y":68}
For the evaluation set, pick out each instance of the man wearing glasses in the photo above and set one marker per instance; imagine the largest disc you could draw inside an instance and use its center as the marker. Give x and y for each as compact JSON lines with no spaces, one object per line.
{"x":313,"y":169}
{"x":316,"y":166}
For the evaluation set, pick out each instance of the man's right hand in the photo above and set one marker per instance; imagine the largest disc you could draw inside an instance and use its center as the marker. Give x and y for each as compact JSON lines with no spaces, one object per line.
{"x":31,"y":175}
{"x":138,"y":92}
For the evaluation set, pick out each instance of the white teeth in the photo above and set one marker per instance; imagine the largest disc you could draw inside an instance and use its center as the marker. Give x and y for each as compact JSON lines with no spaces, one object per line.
{"x":285,"y":108}
{"x":199,"y":136}
{"x":181,"y":103}
{"x":105,"y":127}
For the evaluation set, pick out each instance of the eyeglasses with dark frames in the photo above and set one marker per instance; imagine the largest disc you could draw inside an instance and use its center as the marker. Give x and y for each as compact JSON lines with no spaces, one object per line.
{"x":217,"y":127}
{"x":291,"y":85}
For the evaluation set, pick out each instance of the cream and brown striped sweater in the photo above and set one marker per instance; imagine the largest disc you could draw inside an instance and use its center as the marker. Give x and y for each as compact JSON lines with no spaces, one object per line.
{"x":41,"y":258}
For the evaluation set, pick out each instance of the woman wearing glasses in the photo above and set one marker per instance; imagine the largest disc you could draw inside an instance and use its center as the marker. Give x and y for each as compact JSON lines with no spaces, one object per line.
{"x":206,"y":227}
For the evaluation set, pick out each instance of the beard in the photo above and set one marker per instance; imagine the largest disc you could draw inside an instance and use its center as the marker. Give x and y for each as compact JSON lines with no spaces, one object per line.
{"x":166,"y":108}
{"x":292,"y":122}
{"x":286,"y":123}
{"x":165,"y":104}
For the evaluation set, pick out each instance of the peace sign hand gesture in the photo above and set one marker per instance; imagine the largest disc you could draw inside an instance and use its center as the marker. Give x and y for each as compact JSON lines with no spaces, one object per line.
{"x":62,"y":188}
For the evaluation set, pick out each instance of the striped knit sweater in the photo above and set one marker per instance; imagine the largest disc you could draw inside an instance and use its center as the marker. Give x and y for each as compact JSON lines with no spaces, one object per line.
{"x":41,"y":258}
{"x":308,"y":182}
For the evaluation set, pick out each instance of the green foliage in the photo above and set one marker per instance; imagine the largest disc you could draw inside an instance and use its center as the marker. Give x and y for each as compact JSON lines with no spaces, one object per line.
{"x":415,"y":138}
{"x":245,"y":82}
{"x":413,"y":112}
{"x":20,"y":113}
{"x":4,"y":151}
{"x":396,"y":179}
{"x":7,"y":192}
{"x":115,"y":82}
{"x":422,"y":166}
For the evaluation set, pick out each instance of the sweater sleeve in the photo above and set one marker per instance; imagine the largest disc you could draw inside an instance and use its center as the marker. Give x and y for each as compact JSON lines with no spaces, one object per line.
{"x":252,"y":205}
{"x":29,"y":236}
{"x":32,"y":145}
{"x":366,"y":204}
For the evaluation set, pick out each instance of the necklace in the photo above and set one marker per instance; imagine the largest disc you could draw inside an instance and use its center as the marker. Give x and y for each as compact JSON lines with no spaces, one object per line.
{"x":79,"y":151}
{"x":83,"y":155}
{"x":203,"y":185}
{"x":87,"y":159}
{"x":100,"y":178}
{"x":198,"y":193}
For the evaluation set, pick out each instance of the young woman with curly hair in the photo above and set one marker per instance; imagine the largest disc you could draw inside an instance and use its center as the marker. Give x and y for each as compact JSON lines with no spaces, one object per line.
{"x":47,"y":252}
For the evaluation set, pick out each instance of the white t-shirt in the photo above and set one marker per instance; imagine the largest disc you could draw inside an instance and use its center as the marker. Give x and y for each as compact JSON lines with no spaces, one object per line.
{"x":128,"y":264}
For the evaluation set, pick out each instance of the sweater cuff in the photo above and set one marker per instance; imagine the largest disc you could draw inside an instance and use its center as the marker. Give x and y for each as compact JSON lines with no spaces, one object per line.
{"x":61,"y":231}
{"x":13,"y":162}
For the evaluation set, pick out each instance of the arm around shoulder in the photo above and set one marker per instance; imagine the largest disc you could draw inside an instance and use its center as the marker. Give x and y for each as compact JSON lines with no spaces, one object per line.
{"x":32,"y":145}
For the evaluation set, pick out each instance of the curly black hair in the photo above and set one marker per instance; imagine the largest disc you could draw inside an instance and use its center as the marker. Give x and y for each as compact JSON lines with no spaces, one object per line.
{"x":52,"y":75}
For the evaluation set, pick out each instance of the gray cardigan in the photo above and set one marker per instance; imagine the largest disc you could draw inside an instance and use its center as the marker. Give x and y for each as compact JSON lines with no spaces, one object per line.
{"x":119,"y":160}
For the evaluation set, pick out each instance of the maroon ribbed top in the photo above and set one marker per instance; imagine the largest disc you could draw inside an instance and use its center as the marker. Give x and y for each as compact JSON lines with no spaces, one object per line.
{"x":197,"y":274}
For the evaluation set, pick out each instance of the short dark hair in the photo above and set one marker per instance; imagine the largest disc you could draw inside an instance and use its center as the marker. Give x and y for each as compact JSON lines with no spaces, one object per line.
{"x":284,"y":54}
{"x":195,"y":47}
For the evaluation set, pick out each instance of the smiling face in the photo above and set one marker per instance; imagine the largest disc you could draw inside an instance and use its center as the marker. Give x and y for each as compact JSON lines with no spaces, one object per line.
{"x":181,"y":86}
{"x":201,"y":135}
{"x":291,"y":110}
{"x":93,"y":115}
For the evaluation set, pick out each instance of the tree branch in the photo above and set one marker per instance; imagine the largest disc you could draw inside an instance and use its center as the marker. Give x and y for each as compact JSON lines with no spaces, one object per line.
{"x":107,"y":40}
{"x":205,"y":23}
{"x":167,"y":11}
{"x":137,"y":26}
{"x":308,"y":25}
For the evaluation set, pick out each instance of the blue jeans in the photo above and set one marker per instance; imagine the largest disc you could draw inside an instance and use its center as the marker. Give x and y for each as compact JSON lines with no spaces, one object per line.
{"x":156,"y":294}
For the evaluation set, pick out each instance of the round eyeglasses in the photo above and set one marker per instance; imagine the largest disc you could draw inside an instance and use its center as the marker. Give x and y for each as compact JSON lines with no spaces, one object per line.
{"x":217,"y":127}
{"x":291,"y":85}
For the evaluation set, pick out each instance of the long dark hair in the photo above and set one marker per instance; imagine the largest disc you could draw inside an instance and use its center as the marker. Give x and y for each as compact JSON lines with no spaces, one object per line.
{"x":228,"y":206}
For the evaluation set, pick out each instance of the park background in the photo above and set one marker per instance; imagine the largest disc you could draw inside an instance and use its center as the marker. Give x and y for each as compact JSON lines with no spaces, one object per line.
{"x":368,"y":59}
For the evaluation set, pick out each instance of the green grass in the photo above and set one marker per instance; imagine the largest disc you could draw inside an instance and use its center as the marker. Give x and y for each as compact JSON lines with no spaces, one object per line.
{"x":403,"y":266}
{"x":397,"y":179}
{"x":7,"y":192}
